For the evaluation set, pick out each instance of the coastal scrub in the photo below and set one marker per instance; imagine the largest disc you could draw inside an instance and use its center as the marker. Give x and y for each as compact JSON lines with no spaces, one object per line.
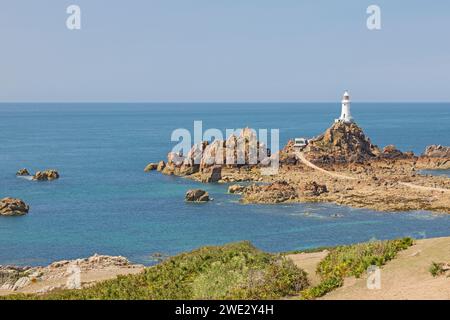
{"x":353,"y":260}
{"x":232,"y":271}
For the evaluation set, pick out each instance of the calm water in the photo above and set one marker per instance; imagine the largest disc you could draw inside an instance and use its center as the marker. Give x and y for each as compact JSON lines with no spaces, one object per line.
{"x":105,"y":203}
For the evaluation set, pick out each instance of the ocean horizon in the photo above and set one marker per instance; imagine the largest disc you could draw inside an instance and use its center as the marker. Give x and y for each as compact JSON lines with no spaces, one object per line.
{"x":105,"y":203}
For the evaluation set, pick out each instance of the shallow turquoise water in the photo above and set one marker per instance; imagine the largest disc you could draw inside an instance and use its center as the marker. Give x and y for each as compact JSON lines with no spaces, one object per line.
{"x":105,"y":203}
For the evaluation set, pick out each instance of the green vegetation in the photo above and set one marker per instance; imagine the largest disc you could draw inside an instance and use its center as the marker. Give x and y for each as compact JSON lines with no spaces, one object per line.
{"x":353,"y":260}
{"x":437,"y":269}
{"x":233,"y":271}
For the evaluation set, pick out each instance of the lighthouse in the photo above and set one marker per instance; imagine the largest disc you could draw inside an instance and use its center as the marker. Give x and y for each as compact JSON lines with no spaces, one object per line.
{"x":346,"y":115}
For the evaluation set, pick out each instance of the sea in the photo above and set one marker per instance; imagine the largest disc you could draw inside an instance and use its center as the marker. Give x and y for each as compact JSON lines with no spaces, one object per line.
{"x":105,"y":203}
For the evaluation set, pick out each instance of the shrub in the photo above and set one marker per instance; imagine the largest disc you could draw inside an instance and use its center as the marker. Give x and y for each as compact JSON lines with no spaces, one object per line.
{"x":233,"y":271}
{"x":436,"y":269}
{"x":353,"y":260}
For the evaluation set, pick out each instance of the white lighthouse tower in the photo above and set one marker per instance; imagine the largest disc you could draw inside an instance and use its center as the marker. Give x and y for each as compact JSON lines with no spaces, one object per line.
{"x":346,"y":115}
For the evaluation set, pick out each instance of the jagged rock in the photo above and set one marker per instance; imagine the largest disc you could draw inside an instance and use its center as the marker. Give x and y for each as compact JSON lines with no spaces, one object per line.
{"x":437,"y":151}
{"x":22,"y":282}
{"x":13,"y":207}
{"x":341,"y":143}
{"x":46,"y":175}
{"x":161,"y":166}
{"x":197,"y":195}
{"x":208,"y":158}
{"x":23,"y":172}
{"x":391,"y":152}
{"x":212,"y":175}
{"x":151,"y":167}
{"x":236,"y":189}
{"x":313,"y":189}
{"x":276,"y":192}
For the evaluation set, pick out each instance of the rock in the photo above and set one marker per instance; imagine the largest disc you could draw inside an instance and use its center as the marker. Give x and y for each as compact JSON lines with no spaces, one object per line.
{"x":161,"y":166}
{"x":313,"y":189}
{"x":22,"y":282}
{"x":236,"y":189}
{"x":341,"y":143}
{"x":197,"y":195}
{"x":391,"y":152}
{"x":23,"y":172}
{"x":151,"y":167}
{"x":46,"y":175}
{"x":13,"y":207}
{"x":212,"y":175}
{"x":276,"y":192}
{"x":437,"y":151}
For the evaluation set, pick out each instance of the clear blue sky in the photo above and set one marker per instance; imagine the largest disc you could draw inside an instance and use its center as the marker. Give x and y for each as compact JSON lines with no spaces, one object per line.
{"x":224,"y":50}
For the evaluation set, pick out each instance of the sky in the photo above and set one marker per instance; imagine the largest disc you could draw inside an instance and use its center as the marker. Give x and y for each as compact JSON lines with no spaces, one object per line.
{"x":224,"y":51}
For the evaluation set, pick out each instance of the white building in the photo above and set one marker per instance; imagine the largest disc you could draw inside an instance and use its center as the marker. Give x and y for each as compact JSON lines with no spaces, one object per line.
{"x":346,"y":115}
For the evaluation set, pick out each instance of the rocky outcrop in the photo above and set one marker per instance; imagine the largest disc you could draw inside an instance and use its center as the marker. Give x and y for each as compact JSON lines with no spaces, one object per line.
{"x":161,"y":166}
{"x":434,"y":157}
{"x":46,"y":175}
{"x":313,"y":189}
{"x":151,"y":167}
{"x":197,"y":195}
{"x":276,"y":192}
{"x":23,"y":172}
{"x":13,"y":207}
{"x":212,"y":174}
{"x":17,"y":278}
{"x":341,"y":143}
{"x":391,"y":152}
{"x":236,"y":189}
{"x":437,"y":151}
{"x":207,"y":159}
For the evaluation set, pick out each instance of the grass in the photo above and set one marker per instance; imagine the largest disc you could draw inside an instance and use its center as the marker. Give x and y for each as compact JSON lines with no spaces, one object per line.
{"x":353,"y":260}
{"x":437,"y":269}
{"x":233,"y":271}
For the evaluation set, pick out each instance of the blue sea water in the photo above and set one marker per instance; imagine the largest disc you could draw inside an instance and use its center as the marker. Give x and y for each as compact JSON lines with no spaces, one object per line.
{"x":105,"y":203}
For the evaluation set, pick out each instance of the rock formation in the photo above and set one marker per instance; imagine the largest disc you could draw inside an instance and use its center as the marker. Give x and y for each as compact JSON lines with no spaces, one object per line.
{"x":341,"y":143}
{"x":313,"y":189}
{"x":151,"y":167}
{"x":23,"y":172}
{"x":197,"y":195}
{"x":435,"y":157}
{"x":207,"y":159}
{"x":46,"y":175}
{"x":276,"y":192}
{"x":236,"y":189}
{"x":13,"y":207}
{"x":17,"y":278}
{"x":161,"y":166}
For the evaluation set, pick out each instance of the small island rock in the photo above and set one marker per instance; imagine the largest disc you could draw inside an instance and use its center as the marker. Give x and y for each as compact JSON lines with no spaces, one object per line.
{"x":23,"y":172}
{"x":46,"y":175}
{"x":13,"y":207}
{"x":197,"y":195}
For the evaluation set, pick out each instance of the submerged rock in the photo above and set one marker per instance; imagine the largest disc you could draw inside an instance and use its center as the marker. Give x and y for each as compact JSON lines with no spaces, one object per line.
{"x":13,"y":207}
{"x":23,"y":172}
{"x":197,"y":195}
{"x":46,"y":175}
